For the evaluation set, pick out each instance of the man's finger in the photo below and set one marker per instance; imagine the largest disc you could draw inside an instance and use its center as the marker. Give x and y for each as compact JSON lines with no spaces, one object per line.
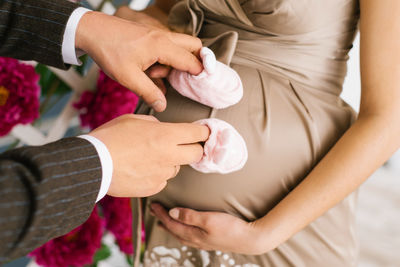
{"x":160,"y":84}
{"x":190,"y":43}
{"x":174,"y":171}
{"x":158,"y":71}
{"x":179,"y":58}
{"x":157,"y":189}
{"x":150,"y":93}
{"x":188,"y":133}
{"x":188,"y":154}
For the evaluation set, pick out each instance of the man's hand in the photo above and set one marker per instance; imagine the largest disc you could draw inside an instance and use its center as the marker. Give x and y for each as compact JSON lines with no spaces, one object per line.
{"x":125,"y":50}
{"x":146,"y":152}
{"x":151,"y":16}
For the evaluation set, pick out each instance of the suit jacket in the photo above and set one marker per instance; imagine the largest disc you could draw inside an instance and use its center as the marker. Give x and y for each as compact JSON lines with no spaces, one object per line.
{"x":34,"y":29}
{"x":45,"y":192}
{"x":49,"y":190}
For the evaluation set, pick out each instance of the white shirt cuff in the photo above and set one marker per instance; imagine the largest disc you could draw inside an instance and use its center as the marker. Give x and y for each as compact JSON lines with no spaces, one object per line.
{"x":106,"y":164}
{"x":69,"y":53}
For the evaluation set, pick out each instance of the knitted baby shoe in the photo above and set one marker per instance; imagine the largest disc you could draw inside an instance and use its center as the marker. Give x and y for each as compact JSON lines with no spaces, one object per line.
{"x":225,"y":150}
{"x":217,"y":86}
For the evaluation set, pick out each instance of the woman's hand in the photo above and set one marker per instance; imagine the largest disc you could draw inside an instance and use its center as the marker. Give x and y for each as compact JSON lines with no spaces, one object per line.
{"x":210,"y":230}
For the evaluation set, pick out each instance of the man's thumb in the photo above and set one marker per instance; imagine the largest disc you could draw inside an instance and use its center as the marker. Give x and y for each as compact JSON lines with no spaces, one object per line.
{"x":142,"y":85}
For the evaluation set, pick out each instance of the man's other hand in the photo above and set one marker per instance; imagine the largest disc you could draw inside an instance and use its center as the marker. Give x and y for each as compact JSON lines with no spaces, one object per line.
{"x":126,"y":49}
{"x":146,"y":152}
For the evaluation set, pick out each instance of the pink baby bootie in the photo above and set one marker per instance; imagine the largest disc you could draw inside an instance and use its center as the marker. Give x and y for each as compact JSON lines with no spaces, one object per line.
{"x":225,"y":150}
{"x":217,"y":86}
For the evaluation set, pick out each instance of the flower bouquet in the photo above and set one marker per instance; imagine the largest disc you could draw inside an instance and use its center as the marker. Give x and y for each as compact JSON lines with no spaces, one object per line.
{"x":27,"y":94}
{"x":40,"y":104}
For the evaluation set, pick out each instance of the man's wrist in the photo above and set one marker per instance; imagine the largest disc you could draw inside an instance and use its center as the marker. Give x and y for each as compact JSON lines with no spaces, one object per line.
{"x":106,"y":164}
{"x":70,"y":52}
{"x":88,"y":25}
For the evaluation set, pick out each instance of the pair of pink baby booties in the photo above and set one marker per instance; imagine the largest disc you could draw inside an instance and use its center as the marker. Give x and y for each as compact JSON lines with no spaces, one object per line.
{"x":217,"y":86}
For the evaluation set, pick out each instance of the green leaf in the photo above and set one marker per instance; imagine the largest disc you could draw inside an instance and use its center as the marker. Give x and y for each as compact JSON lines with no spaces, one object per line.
{"x":48,"y":79}
{"x":103,"y":253}
{"x":45,"y":77}
{"x":129,"y":260}
{"x":84,"y":67}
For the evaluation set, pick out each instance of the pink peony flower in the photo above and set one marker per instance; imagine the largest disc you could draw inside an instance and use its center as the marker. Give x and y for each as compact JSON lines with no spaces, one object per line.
{"x":19,"y":94}
{"x":76,"y":248}
{"x":109,"y":101}
{"x":118,"y":216}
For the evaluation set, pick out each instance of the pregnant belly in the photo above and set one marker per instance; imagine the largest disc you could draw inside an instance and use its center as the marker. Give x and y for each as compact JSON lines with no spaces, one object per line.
{"x":282,"y":141}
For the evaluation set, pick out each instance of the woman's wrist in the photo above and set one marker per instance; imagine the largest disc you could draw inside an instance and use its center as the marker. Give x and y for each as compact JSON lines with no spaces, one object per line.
{"x":265,"y":235}
{"x":259,"y":238}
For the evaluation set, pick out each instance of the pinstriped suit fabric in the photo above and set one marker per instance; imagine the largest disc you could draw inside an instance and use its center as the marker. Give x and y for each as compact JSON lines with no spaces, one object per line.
{"x":45,"y":192}
{"x":34,"y":29}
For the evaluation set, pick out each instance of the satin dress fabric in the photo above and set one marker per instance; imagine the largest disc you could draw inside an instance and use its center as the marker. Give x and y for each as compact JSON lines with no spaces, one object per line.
{"x":291,"y":57}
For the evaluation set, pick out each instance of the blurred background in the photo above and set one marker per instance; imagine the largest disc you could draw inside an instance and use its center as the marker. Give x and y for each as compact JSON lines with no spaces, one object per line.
{"x":379,"y":198}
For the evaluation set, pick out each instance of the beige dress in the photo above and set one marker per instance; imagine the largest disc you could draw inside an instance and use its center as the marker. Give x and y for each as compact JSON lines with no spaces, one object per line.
{"x":291,"y":56}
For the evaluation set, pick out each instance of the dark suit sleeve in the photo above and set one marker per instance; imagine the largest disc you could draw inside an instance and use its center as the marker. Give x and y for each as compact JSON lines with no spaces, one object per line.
{"x":34,"y":29}
{"x":46,"y":191}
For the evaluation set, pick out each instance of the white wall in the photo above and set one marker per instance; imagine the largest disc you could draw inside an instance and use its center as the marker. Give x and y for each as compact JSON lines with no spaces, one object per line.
{"x":352,"y":85}
{"x":352,"y":91}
